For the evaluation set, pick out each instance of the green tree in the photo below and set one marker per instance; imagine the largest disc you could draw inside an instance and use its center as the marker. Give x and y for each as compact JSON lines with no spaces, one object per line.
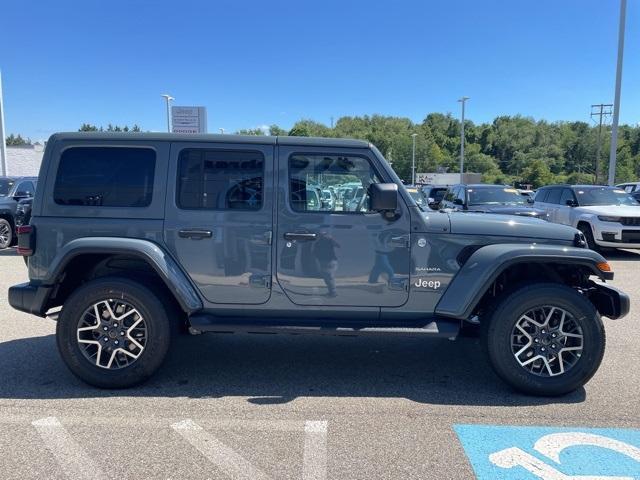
{"x":538,"y":174}
{"x":17,"y":141}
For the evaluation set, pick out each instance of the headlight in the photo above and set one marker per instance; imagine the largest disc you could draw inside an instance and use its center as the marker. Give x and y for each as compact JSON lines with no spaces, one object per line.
{"x":605,"y":218}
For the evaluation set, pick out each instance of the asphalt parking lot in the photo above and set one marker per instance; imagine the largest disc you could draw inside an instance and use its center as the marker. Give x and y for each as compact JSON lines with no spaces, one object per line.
{"x":249,"y":407}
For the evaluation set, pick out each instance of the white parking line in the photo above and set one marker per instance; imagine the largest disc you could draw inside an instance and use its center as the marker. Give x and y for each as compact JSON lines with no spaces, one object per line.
{"x":315,"y":451}
{"x":225,"y":458}
{"x":69,"y":455}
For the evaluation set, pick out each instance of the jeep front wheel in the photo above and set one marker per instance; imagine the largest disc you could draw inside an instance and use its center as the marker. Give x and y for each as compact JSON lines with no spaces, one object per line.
{"x":545,"y":339}
{"x":113,"y":333}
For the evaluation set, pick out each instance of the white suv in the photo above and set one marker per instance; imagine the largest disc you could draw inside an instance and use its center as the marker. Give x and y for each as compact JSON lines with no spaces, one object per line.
{"x":607,"y":216}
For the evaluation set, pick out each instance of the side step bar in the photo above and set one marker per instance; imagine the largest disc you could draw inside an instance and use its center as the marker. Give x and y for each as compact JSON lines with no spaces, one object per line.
{"x":200,"y":323}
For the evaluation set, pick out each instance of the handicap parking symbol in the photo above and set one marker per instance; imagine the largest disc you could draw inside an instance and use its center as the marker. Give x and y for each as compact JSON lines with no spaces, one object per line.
{"x":534,"y":453}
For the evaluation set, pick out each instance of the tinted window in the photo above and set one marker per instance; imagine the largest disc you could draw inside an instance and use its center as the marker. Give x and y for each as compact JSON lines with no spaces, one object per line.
{"x":541,"y":195}
{"x":5,"y":186}
{"x":554,"y":195}
{"x":348,"y":177}
{"x":26,"y":188}
{"x":105,"y":177}
{"x":567,"y":194}
{"x":220,"y":179}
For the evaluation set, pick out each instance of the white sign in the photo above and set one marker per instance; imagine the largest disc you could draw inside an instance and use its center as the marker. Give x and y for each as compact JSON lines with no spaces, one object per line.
{"x":188,"y":119}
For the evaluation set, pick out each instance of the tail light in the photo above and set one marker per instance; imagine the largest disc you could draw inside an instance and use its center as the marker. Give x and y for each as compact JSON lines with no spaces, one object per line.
{"x":26,"y":240}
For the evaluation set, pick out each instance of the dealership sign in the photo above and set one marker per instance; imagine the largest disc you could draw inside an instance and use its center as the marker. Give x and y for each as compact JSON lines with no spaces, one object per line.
{"x":189,"y":119}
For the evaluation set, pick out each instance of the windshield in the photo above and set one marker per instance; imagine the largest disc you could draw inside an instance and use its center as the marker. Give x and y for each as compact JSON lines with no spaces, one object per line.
{"x":495,"y":196}
{"x":603,"y":196}
{"x":5,"y":186}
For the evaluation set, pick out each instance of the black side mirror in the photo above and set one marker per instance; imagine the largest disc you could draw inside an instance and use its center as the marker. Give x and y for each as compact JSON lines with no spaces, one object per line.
{"x":383,"y":197}
{"x":458,"y":201}
{"x":572,"y":203}
{"x":530,"y":200}
{"x":21,"y":194}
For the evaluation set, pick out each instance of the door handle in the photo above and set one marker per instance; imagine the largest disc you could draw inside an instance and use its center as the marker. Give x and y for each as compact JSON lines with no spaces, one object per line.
{"x":195,"y":234}
{"x":304,"y":237}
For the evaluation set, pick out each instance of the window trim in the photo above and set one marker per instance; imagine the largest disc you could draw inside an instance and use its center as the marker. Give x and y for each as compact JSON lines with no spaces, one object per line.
{"x":105,"y":146}
{"x":227,"y":150}
{"x":331,"y":154}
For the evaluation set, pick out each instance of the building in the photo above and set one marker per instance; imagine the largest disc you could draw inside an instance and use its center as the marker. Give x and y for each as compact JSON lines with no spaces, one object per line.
{"x":24,"y":160}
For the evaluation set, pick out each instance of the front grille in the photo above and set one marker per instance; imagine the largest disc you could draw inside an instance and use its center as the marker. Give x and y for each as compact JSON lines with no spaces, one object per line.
{"x":630,"y":221}
{"x":630,"y":236}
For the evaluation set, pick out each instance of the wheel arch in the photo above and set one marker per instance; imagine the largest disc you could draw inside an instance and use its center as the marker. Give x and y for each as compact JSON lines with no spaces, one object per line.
{"x":476,"y":281}
{"x":87,"y":258}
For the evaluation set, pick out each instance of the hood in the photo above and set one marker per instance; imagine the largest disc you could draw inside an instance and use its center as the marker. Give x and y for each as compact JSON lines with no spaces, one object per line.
{"x":613,"y":210}
{"x":509,"y":210}
{"x":509,"y":226}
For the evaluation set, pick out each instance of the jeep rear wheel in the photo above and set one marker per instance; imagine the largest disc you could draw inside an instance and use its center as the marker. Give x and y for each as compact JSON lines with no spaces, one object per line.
{"x":545,"y":339}
{"x":6,"y":234}
{"x":113,"y":333}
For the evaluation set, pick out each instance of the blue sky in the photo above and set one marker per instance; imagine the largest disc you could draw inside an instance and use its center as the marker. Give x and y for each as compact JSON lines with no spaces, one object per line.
{"x":253,"y":63}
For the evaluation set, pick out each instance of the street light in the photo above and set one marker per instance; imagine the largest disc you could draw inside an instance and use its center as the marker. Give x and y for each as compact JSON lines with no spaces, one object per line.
{"x":168,"y":98}
{"x":462,"y":101}
{"x":616,"y":100}
{"x":413,"y":159}
{"x":221,"y":131}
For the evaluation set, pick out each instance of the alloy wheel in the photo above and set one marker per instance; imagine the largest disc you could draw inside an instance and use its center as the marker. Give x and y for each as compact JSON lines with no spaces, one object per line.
{"x":112,"y":334}
{"x":5,"y":234}
{"x":547,"y":341}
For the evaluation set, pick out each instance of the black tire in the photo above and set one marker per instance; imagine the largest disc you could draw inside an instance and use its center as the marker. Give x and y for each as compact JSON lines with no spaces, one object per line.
{"x":509,"y":310}
{"x":6,"y":240}
{"x":150,"y":306}
{"x":588,"y":234}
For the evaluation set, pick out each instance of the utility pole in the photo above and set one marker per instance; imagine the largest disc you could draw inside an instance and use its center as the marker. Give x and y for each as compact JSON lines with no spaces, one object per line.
{"x":462,"y":101}
{"x":3,"y":147}
{"x":616,"y":100}
{"x":168,"y":98}
{"x":413,"y":159}
{"x":600,"y":110}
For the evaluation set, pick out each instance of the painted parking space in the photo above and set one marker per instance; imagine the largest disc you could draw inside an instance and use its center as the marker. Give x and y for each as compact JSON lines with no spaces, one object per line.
{"x":524,"y":453}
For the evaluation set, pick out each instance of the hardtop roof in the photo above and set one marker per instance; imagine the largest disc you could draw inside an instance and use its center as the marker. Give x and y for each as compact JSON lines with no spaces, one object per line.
{"x":212,"y":138}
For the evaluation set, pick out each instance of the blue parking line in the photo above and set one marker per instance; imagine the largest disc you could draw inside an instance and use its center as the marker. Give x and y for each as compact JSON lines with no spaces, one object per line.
{"x":523,"y":453}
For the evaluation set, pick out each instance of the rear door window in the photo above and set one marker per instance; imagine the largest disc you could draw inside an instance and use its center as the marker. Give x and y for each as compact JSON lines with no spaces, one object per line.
{"x":554,"y":196}
{"x":210,"y":179}
{"x":105,"y":177}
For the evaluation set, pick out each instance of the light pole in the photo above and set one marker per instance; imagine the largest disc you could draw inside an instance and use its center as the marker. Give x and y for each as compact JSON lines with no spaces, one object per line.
{"x":616,"y":100}
{"x":462,"y":101}
{"x":168,"y":98}
{"x":3,"y":148}
{"x":413,"y":159}
{"x":221,"y":131}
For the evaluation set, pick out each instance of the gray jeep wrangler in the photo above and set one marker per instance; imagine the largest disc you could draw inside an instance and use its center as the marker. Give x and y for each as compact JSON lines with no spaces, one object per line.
{"x":135,"y":237}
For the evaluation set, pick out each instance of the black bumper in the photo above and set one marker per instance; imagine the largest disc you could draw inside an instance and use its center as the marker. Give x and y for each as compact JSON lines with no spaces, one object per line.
{"x":609,"y":301}
{"x":29,"y":298}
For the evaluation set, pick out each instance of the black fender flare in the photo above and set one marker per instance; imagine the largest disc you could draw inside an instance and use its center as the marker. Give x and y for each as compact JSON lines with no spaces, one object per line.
{"x":162,"y":263}
{"x":485,"y":265}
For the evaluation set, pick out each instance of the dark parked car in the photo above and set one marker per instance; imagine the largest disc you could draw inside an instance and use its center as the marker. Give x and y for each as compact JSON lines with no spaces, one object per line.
{"x":137,"y":236}
{"x":12,"y":191}
{"x":500,"y":199}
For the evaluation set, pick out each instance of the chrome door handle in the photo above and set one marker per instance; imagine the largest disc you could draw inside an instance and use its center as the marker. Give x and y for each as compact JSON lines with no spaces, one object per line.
{"x":300,"y":236}
{"x":195,"y":234}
